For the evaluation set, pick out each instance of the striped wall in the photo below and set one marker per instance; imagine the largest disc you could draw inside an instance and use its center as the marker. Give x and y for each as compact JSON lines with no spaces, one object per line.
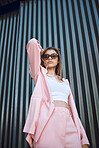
{"x":73,"y":26}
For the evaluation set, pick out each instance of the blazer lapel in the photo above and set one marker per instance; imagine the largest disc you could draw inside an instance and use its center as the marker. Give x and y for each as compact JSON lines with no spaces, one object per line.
{"x":49,"y":98}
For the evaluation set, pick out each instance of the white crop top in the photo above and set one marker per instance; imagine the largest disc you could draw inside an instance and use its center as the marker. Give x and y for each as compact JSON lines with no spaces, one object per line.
{"x":59,"y":90}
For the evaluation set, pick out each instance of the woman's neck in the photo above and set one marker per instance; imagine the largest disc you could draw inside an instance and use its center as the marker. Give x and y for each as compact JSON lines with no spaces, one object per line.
{"x":51,"y":71}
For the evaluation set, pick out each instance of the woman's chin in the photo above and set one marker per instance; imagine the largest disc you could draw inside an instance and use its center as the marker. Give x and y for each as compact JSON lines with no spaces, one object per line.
{"x":50,"y":66}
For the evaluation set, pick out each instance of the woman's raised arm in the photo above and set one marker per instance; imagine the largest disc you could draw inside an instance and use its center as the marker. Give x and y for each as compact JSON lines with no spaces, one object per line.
{"x":33,"y":49}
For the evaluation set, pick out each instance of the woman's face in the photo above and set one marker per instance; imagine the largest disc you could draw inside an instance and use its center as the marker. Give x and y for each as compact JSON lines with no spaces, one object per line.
{"x":50,"y":62}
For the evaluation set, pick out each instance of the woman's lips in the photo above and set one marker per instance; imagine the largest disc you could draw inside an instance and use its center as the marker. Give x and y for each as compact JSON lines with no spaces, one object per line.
{"x":49,"y":62}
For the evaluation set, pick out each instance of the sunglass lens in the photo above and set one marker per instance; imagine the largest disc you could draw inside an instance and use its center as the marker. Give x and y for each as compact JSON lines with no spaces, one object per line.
{"x":53,"y":56}
{"x":45,"y":56}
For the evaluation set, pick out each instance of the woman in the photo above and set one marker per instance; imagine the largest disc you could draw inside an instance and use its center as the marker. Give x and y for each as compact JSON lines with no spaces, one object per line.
{"x":52,"y":120}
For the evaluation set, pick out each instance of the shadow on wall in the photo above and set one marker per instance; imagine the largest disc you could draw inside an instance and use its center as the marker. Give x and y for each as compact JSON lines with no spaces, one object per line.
{"x":9,"y":6}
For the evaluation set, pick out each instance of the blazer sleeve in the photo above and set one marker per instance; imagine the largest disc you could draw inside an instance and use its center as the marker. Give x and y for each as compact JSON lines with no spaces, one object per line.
{"x":73,"y":110}
{"x":33,"y":49}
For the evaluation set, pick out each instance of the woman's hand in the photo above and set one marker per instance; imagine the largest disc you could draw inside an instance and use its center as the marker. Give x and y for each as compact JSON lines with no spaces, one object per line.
{"x":41,"y":51}
{"x":40,"y":47}
{"x":85,"y":146}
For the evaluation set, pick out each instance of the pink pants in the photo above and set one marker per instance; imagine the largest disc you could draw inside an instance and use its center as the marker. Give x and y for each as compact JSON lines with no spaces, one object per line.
{"x":60,"y":131}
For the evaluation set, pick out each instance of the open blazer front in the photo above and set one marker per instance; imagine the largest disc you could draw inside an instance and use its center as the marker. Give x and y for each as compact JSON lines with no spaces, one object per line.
{"x":41,"y":106}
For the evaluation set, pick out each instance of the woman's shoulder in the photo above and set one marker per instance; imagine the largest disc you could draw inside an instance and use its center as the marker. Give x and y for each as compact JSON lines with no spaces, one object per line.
{"x":63,"y":79}
{"x":66,"y":80}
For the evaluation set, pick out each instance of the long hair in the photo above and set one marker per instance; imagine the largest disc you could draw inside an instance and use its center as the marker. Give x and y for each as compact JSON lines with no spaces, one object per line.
{"x":58,"y":69}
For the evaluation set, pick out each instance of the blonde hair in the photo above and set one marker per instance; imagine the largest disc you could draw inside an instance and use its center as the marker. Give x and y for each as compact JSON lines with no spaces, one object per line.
{"x":58,"y":69}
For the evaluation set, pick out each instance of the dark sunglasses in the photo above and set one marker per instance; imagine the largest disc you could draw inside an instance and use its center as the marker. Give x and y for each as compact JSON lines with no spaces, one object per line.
{"x":46,"y":56}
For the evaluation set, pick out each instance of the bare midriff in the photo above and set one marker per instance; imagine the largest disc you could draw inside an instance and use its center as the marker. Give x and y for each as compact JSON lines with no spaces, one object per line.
{"x":60,"y":104}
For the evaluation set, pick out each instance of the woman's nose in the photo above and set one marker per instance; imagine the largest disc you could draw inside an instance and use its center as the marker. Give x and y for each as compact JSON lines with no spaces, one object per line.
{"x":50,"y":57}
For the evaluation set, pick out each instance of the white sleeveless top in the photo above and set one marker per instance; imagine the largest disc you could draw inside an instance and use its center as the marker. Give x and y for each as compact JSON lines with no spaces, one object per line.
{"x":59,"y":90}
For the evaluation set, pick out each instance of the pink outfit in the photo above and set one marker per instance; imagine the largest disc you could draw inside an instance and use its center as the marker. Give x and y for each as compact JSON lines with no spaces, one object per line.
{"x":42,"y":113}
{"x":60,"y":131}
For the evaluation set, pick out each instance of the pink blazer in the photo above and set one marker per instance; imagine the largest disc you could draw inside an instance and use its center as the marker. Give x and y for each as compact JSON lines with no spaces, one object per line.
{"x":41,"y":106}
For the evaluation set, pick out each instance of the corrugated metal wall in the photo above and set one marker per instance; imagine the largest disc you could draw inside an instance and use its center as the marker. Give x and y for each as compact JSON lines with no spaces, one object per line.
{"x":73,"y":26}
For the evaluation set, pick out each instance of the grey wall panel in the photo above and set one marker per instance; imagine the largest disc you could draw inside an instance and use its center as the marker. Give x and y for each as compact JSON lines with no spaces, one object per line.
{"x":71,"y":25}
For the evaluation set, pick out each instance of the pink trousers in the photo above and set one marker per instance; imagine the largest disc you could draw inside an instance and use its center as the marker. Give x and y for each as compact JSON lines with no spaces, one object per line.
{"x":60,"y":131}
